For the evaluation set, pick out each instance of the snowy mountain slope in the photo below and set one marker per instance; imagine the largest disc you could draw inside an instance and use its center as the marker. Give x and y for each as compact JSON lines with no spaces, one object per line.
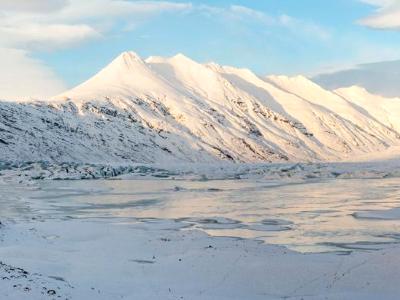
{"x":175,"y":109}
{"x":368,"y":131}
{"x":385,"y":110}
{"x":331,"y":119}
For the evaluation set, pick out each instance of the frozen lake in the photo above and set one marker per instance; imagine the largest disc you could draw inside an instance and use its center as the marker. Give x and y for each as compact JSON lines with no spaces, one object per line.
{"x":166,"y":235}
{"x":306,"y":216}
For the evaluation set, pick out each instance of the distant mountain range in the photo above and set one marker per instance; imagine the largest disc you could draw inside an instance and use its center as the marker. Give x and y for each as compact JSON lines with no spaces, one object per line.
{"x":177,"y":110}
{"x":381,"y":78}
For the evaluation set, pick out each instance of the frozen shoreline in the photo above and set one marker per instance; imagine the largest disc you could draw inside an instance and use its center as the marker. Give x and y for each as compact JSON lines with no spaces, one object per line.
{"x":24,"y":172}
{"x":97,"y":259}
{"x":45,"y":256}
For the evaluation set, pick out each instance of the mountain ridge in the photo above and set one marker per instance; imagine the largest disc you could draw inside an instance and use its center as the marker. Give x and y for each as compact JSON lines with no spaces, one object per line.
{"x":176,"y":109}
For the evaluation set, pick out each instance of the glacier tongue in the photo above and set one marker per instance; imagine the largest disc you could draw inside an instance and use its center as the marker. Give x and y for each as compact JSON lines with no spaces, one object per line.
{"x":178,"y":110}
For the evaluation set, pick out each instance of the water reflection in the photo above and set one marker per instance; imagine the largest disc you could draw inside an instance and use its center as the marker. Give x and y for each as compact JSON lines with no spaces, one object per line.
{"x":305,"y":216}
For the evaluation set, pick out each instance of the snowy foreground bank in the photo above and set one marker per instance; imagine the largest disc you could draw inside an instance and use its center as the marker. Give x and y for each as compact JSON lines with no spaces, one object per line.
{"x":117,"y":239}
{"x":93,"y":259}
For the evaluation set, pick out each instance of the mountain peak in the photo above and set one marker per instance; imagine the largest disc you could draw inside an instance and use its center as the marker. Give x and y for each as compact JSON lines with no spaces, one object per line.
{"x":297,"y":78}
{"x":155,"y":59}
{"x":243,"y":72}
{"x":127,"y":59}
{"x":291,"y":81}
{"x":182,"y":59}
{"x":126,"y":75}
{"x":130,"y":55}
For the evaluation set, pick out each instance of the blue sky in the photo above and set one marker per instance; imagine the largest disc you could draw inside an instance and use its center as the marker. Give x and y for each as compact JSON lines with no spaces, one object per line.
{"x":65,"y":41}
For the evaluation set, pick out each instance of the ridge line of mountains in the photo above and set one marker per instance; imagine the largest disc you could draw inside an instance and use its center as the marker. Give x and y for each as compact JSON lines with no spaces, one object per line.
{"x":177,"y":110}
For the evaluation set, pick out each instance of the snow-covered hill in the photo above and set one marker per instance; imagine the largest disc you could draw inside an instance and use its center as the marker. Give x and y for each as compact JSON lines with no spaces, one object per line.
{"x":175,"y":109}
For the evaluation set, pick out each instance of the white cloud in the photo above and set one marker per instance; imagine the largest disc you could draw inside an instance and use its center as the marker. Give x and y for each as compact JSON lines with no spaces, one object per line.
{"x":45,"y":36}
{"x":41,"y":6}
{"x":31,"y":25}
{"x":99,"y":9}
{"x":56,"y":23}
{"x":387,"y":15}
{"x":21,"y":76}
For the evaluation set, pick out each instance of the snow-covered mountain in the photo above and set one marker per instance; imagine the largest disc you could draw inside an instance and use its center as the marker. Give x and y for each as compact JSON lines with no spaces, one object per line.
{"x":175,"y":109}
{"x":379,"y":78}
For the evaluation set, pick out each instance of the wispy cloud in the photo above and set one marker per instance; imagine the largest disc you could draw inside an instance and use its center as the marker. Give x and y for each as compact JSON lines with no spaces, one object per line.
{"x":243,"y":12}
{"x":305,"y":27}
{"x":27,"y":26}
{"x":51,"y":21}
{"x":42,"y":6}
{"x":292,"y":24}
{"x":45,"y":36}
{"x":22,"y":76}
{"x":386,"y":16}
